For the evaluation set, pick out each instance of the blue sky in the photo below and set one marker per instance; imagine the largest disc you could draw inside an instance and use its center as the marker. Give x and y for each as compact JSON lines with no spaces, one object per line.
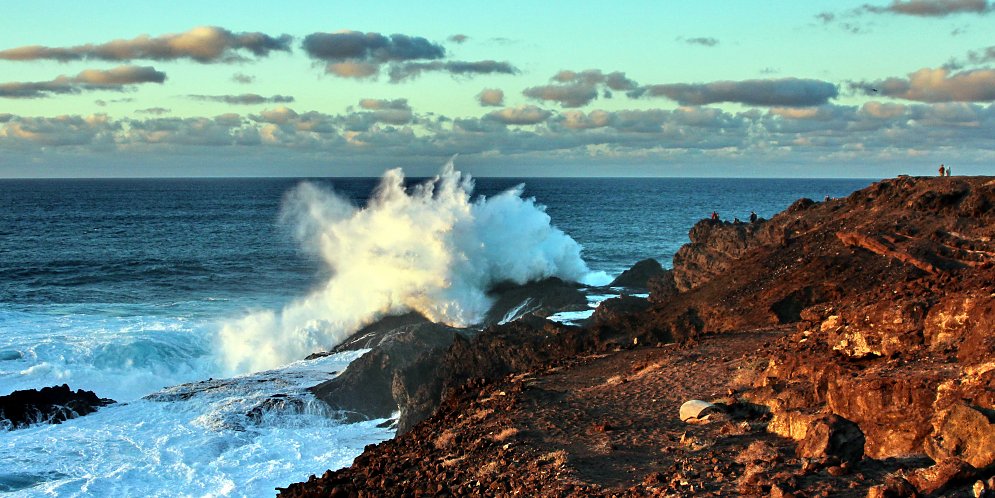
{"x":745,"y":88}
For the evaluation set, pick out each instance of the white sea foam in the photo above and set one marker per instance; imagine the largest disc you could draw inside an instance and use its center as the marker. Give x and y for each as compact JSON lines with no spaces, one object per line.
{"x":233,"y":437}
{"x":119,"y":357}
{"x":431,"y":248}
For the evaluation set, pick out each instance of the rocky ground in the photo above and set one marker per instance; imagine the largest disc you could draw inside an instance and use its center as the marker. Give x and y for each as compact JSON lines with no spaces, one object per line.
{"x":847,"y":348}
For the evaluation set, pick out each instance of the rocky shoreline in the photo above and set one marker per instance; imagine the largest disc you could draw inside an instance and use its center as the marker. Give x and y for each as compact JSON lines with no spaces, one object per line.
{"x":848,"y":348}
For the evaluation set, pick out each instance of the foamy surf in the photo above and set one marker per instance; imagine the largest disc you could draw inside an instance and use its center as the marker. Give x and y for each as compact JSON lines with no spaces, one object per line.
{"x":431,"y":248}
{"x":233,"y":437}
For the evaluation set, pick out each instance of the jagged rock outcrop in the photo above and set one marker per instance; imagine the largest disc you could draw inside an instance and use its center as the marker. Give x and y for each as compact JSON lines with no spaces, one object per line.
{"x":51,"y":405}
{"x":365,"y":390}
{"x":407,"y":368}
{"x":882,"y":304}
{"x":542,"y":298}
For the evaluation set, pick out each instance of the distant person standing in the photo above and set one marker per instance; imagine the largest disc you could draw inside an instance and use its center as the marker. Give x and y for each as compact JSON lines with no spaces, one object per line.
{"x":753,"y":216}
{"x":943,"y":171}
{"x":715,"y":216}
{"x":948,"y":170}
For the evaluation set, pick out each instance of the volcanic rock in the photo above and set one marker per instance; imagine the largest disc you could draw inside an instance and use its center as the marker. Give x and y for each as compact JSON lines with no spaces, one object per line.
{"x":542,"y":298}
{"x":52,"y":405}
{"x":639,"y":275}
{"x":870,"y":316}
{"x":963,"y":432}
{"x":365,"y":389}
{"x":832,"y":436}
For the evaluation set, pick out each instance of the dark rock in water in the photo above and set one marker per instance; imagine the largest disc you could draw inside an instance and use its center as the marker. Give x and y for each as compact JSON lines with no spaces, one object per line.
{"x":512,"y":301}
{"x":639,"y":275}
{"x":379,"y":332}
{"x":408,"y":348}
{"x":542,"y":298}
{"x":365,"y":389}
{"x":17,"y":481}
{"x":8,"y":355}
{"x":52,"y":405}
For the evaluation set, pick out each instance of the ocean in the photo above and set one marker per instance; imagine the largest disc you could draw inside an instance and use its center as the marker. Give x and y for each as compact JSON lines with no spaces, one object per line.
{"x":133,"y":288}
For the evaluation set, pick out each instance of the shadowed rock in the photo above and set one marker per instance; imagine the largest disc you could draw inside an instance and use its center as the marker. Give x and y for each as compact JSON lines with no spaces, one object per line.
{"x":52,"y":405}
{"x":639,"y":275}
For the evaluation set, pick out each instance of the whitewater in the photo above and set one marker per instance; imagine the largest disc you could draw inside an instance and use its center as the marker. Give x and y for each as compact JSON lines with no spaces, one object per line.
{"x":430,"y":248}
{"x":193,"y":302}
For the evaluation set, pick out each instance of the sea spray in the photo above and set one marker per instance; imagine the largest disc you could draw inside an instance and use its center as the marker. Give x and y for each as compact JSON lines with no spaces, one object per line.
{"x":430,"y":248}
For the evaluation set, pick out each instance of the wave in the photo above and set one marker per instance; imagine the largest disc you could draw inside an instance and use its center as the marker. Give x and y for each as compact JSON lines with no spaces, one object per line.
{"x":431,"y":248}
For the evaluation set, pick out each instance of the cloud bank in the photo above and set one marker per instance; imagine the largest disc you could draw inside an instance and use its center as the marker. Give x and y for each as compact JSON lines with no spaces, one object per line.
{"x":936,"y":85}
{"x":116,"y":79}
{"x":205,"y":44}
{"x":770,"y":92}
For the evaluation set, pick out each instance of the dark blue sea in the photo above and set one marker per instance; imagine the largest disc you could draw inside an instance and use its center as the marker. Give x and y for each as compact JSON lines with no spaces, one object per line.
{"x":129,"y":287}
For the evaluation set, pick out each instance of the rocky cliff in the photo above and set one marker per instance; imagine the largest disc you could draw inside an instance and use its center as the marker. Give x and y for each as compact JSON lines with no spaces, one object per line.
{"x":847,"y":345}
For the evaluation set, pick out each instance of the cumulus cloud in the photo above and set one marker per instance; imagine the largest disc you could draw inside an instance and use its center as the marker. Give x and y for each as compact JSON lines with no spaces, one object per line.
{"x":204,"y":44}
{"x":491,"y":97}
{"x":60,"y":131}
{"x":578,"y":120}
{"x":577,"y":89}
{"x":931,"y":8}
{"x":575,"y":95}
{"x":789,"y":92}
{"x":223,"y":130}
{"x":353,"y":54}
{"x":521,"y":115}
{"x":116,"y":79}
{"x":395,"y":112}
{"x":936,"y":85}
{"x":244,"y":99}
{"x":378,"y":130}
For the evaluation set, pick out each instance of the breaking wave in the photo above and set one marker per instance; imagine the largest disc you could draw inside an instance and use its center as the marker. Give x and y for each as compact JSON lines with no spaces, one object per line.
{"x":431,"y":248}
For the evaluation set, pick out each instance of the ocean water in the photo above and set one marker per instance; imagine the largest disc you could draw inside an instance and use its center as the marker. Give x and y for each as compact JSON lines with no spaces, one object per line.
{"x":133,"y":288}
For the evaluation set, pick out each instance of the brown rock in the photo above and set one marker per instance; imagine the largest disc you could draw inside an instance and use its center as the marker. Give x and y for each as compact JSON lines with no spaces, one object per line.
{"x":894,"y":487}
{"x":963,"y":432}
{"x":832,"y":436}
{"x":948,"y":472}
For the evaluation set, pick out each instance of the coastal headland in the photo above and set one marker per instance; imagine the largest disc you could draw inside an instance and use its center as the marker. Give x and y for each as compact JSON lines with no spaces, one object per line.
{"x":845,"y":347}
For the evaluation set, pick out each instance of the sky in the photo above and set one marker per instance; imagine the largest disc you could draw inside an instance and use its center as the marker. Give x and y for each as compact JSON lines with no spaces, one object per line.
{"x":773,"y":88}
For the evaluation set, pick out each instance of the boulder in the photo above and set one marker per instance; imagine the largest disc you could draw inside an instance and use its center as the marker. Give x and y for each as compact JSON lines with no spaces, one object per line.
{"x":944,"y":474}
{"x":832,"y":436}
{"x":365,"y":389}
{"x":639,"y":275}
{"x":894,"y":486}
{"x":963,"y":432}
{"x":542,"y":298}
{"x":51,"y":405}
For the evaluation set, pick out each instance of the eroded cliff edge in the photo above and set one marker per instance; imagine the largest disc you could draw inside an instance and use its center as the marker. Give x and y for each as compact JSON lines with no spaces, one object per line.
{"x":863,"y":323}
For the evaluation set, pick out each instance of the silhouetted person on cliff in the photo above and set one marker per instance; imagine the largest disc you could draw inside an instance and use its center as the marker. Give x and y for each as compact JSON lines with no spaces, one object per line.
{"x":942,"y":171}
{"x":753,"y":216}
{"x":715,"y":216}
